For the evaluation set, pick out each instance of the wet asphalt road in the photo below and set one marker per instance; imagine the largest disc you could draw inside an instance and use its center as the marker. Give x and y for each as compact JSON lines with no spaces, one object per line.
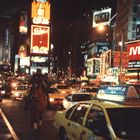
{"x":20,"y":121}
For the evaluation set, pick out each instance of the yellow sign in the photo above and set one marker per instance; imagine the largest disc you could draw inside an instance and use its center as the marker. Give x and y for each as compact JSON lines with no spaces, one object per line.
{"x":40,"y":12}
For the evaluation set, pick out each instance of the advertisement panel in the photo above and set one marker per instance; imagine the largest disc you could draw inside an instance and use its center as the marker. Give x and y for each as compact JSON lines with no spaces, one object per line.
{"x":40,"y":13}
{"x":39,"y":39}
{"x":97,"y":48}
{"x":101,"y":17}
{"x":120,"y":59}
{"x":93,"y":66}
{"x":105,"y":61}
{"x":134,"y":51}
{"x":23,"y":23}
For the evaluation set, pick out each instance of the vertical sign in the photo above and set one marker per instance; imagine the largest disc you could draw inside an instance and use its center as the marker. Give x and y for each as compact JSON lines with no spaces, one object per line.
{"x":39,"y":39}
{"x":40,"y":13}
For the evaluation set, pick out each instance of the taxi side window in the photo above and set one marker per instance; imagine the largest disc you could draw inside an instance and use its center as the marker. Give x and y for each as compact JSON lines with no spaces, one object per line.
{"x":68,"y":113}
{"x":79,"y":113}
{"x":96,"y":122}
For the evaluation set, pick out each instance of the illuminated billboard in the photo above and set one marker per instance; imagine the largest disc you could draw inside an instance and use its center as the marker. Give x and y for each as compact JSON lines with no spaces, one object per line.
{"x":40,"y":13}
{"x":101,"y":17}
{"x":39,"y":39}
{"x":23,"y":23}
{"x":93,"y":66}
{"x":134,"y":51}
{"x":120,"y":58}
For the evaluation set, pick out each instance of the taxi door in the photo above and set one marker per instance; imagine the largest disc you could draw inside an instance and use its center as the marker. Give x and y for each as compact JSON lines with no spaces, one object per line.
{"x":86,"y":134}
{"x":79,"y":132}
{"x":95,"y":126}
{"x":74,"y":125}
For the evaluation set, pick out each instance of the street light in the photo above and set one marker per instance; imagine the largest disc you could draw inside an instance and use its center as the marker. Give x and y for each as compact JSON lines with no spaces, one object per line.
{"x":101,"y":28}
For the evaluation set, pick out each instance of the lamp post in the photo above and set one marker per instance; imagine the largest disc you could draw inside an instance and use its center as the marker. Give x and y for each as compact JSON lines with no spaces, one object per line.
{"x":121,"y":50}
{"x":69,"y":67}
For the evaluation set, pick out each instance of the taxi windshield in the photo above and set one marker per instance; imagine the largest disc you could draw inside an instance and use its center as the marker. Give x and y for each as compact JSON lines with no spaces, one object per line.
{"x":125,"y":122}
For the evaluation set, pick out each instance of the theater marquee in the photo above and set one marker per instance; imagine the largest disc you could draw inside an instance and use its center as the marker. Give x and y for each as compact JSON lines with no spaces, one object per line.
{"x":39,"y":39}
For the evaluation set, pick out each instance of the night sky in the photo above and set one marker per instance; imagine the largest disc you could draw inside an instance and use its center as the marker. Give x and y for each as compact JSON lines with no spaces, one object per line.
{"x":72,"y":25}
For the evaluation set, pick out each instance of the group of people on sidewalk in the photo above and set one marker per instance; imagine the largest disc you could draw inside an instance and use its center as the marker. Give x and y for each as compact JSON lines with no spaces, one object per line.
{"x":38,"y":98}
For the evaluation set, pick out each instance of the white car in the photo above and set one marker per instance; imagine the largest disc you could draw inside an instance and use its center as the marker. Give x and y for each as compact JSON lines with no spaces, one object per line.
{"x":73,"y":98}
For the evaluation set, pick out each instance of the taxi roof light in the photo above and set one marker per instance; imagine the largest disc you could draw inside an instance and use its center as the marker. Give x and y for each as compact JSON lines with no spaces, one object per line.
{"x":119,"y":94}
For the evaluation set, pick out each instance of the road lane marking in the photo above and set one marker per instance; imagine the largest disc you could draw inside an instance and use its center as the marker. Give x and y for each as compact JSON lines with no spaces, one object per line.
{"x":15,"y":137}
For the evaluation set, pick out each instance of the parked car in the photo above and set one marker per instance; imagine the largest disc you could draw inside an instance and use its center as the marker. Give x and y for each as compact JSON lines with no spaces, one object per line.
{"x":100,"y":120}
{"x":75,"y":97}
{"x":20,"y":92}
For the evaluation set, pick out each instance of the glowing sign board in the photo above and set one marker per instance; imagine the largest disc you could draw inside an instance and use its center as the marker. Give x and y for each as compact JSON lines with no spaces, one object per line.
{"x":117,"y":93}
{"x":134,"y":51}
{"x":40,"y":13}
{"x":120,"y":56}
{"x":102,"y":17}
{"x":23,"y":24}
{"x":40,"y":39}
{"x":93,"y":66}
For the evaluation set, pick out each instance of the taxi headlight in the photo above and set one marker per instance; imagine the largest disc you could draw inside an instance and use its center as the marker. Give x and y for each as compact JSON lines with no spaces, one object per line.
{"x":51,"y":99}
{"x":14,"y":84}
{"x":16,"y":94}
{"x":63,"y":92}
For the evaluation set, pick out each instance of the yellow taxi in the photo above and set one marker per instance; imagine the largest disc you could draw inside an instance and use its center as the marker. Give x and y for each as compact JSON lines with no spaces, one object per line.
{"x":55,"y":97}
{"x":100,"y":120}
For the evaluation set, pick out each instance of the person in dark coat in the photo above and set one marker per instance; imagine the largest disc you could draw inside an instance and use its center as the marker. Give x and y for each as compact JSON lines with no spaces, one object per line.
{"x":37,"y":100}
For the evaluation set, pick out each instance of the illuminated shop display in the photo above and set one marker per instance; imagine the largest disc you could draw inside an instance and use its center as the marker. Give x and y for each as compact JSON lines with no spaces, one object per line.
{"x":39,"y":39}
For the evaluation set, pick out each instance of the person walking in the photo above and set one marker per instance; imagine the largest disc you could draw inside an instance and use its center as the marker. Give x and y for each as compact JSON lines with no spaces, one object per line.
{"x":37,"y":100}
{"x":47,"y":85}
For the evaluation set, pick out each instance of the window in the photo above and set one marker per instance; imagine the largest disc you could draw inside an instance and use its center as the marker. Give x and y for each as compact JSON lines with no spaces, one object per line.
{"x":79,"y":113}
{"x":81,"y":97}
{"x":68,"y":113}
{"x":96,"y":122}
{"x":125,"y":122}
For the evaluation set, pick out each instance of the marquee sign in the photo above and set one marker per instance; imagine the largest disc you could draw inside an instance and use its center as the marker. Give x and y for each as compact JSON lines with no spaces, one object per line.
{"x":40,"y":39}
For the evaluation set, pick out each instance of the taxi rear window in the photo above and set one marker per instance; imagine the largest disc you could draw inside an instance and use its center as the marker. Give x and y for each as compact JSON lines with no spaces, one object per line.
{"x":125,"y":122}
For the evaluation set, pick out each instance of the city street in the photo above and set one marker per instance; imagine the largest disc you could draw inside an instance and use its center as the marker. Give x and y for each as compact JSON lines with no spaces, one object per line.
{"x":20,"y":121}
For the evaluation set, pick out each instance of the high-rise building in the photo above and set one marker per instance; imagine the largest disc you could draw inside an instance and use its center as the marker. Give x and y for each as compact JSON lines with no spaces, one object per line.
{"x":127,"y":21}
{"x":128,"y":32}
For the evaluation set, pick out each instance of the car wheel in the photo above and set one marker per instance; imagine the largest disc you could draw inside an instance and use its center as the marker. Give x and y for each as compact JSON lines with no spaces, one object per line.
{"x":63,"y":134}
